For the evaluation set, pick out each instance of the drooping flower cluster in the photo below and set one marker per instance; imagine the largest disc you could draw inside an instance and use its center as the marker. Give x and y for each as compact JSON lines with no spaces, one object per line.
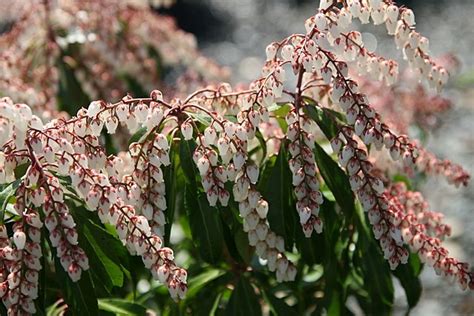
{"x":67,"y":157}
{"x":422,"y":231}
{"x":370,"y":191}
{"x":20,"y":260}
{"x":98,"y":43}
{"x":232,"y":142}
{"x":72,"y":148}
{"x":303,"y":167}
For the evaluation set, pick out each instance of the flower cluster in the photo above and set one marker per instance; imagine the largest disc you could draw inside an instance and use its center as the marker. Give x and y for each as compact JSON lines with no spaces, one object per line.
{"x":90,"y":40}
{"x":72,"y":149}
{"x":303,"y":167}
{"x":399,"y":216}
{"x":370,"y":191}
{"x":20,"y":259}
{"x":67,"y":161}
{"x":422,"y":231}
{"x":231,"y":163}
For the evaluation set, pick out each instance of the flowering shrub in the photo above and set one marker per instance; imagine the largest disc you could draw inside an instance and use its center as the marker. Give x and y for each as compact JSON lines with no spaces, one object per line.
{"x":285,"y":176}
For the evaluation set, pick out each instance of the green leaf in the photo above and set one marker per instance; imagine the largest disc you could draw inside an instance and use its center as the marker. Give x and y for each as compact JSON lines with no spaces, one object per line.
{"x":408,"y":274}
{"x":336,"y":180}
{"x":374,"y":270}
{"x":57,"y":309}
{"x":325,"y":118}
{"x":244,"y":300}
{"x":242,"y":242}
{"x":71,"y":96}
{"x":79,"y":296}
{"x":204,"y":220}
{"x":240,"y":251}
{"x":186,"y":151}
{"x":280,"y":113}
{"x":198,"y":282}
{"x":110,"y":268}
{"x":107,"y":256}
{"x":174,"y":180}
{"x":121,"y":307}
{"x":213,"y":310}
{"x":205,"y":225}
{"x":142,"y":131}
{"x":7,"y":196}
{"x":277,"y":190}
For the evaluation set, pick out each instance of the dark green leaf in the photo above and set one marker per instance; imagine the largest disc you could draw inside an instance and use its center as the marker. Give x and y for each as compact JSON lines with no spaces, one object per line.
{"x":242,"y":242}
{"x":280,"y":113}
{"x":244,"y":300}
{"x":277,"y":190}
{"x":174,"y":179}
{"x":70,"y":94}
{"x":337,"y":181}
{"x":325,"y":118}
{"x":121,"y":307}
{"x":57,"y":309}
{"x":198,"y":282}
{"x":79,"y":296}
{"x":205,"y":225}
{"x":107,"y":255}
{"x":230,"y":229}
{"x":186,"y":152}
{"x":374,"y":269}
{"x":138,"y":135}
{"x":7,"y":196}
{"x":407,"y":274}
{"x":107,"y":269}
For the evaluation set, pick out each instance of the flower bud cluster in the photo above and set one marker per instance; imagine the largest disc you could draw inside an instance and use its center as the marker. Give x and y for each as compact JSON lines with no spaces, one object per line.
{"x":415,"y":206}
{"x":331,"y":31}
{"x":63,"y":235}
{"x":20,"y":259}
{"x":214,"y":174}
{"x":71,"y":148}
{"x":15,"y":119}
{"x":147,"y":189}
{"x":454,"y":173}
{"x":303,"y":168}
{"x":254,"y":209}
{"x":370,"y":190}
{"x":41,"y":30}
{"x":417,"y":230}
{"x":367,"y":122}
{"x":135,"y":232}
{"x":399,"y":21}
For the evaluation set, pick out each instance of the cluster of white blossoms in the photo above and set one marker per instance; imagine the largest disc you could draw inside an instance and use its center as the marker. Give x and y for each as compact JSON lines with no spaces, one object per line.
{"x":371,"y":193}
{"x":398,"y":216}
{"x":254,"y":209}
{"x":334,"y":24}
{"x":20,"y":259}
{"x":230,"y":162}
{"x":72,"y":148}
{"x":301,"y":139}
{"x":213,"y":175}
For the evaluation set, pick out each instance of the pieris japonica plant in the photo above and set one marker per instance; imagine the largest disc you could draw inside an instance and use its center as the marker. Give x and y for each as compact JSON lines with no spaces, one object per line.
{"x":276,"y":196}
